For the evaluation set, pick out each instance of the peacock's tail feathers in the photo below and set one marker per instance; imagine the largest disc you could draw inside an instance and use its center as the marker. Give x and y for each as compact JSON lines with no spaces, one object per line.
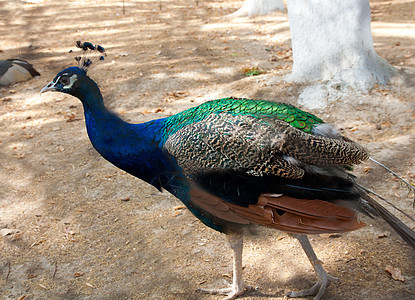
{"x":406,"y":233}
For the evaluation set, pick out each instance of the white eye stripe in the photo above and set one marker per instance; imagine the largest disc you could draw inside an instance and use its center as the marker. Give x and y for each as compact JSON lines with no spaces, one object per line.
{"x":57,"y":79}
{"x":72,"y":80}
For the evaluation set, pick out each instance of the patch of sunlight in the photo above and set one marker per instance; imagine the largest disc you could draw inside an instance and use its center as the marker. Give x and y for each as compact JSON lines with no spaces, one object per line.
{"x":258,"y":255}
{"x":7,"y":45}
{"x":404,"y":140}
{"x":226,"y":71}
{"x":102,"y":3}
{"x":31,"y":118}
{"x":15,"y":182}
{"x":10,"y":209}
{"x":393,"y":29}
{"x":279,"y":26}
{"x":193,"y":75}
{"x":160,"y":75}
{"x":225,"y":26}
{"x":50,"y":97}
{"x":385,"y":2}
{"x":102,"y":25}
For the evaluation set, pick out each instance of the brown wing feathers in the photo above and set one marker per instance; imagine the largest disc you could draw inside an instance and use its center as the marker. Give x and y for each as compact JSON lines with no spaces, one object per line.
{"x":281,"y":212}
{"x":215,"y":206}
{"x":320,"y":150}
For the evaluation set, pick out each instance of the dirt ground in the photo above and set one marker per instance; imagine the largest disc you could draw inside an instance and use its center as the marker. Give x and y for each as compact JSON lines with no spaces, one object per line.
{"x":75,"y":227}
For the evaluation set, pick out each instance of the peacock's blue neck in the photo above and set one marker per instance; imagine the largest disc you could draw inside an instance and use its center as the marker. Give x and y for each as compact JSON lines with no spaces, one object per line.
{"x":135,"y":148}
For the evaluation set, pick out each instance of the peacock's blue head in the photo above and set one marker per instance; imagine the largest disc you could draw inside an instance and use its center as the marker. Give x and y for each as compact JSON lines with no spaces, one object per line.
{"x":66,"y":81}
{"x":74,"y":79}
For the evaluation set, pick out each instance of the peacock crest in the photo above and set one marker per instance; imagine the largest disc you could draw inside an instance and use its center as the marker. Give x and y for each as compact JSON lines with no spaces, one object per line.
{"x":90,"y":55}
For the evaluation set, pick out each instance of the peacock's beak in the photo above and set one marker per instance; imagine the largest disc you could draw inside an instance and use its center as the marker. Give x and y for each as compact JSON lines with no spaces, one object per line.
{"x":49,"y":87}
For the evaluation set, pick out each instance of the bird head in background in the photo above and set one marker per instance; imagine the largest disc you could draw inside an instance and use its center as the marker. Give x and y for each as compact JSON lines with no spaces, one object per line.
{"x":69,"y":80}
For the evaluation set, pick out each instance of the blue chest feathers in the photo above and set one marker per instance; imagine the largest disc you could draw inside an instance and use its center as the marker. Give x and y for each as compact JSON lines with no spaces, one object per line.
{"x":135,"y":148}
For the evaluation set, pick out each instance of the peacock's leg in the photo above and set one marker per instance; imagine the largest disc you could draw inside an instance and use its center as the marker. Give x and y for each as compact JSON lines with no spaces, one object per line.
{"x":324,"y":279}
{"x":238,"y":286}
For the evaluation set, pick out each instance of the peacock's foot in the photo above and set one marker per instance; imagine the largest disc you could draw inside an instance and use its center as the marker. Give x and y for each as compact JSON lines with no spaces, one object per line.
{"x":316,"y":290}
{"x":231,"y":292}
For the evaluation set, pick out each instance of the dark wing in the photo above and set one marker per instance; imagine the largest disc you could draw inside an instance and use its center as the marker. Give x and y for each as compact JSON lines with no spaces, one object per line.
{"x":15,"y":70}
{"x":249,"y":169}
{"x":4,"y":66}
{"x":29,"y":67}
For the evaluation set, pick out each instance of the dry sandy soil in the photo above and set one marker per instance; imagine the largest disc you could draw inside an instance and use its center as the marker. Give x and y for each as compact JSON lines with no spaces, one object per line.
{"x":75,"y":227}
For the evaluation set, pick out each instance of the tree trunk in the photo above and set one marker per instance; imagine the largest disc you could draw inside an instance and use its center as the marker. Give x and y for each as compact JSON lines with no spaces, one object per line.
{"x":332,"y":40}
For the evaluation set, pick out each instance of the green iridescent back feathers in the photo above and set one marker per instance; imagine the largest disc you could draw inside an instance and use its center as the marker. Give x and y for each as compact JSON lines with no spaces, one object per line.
{"x":254,"y":137}
{"x":284,"y":112}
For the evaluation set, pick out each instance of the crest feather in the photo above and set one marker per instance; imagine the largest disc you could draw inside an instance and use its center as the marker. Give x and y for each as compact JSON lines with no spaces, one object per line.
{"x":91,"y":54}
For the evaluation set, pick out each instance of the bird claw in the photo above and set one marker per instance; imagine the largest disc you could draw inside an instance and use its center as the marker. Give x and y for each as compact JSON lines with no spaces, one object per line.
{"x":231,"y":292}
{"x":316,"y":290}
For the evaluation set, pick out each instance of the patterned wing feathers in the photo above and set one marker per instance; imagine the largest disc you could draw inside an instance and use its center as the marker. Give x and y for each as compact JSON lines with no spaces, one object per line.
{"x":256,"y":146}
{"x":223,"y":141}
{"x":320,"y":150}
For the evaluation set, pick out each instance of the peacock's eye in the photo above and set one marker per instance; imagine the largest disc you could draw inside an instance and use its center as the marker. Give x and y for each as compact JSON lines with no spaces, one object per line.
{"x":64,"y":80}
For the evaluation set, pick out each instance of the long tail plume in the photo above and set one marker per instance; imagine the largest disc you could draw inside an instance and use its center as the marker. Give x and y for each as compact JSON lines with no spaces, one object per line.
{"x":383,"y":199}
{"x":409,"y":185}
{"x":406,"y":233}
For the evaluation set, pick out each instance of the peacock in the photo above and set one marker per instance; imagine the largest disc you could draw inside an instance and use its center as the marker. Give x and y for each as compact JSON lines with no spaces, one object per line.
{"x":237,"y":163}
{"x":16,"y":70}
